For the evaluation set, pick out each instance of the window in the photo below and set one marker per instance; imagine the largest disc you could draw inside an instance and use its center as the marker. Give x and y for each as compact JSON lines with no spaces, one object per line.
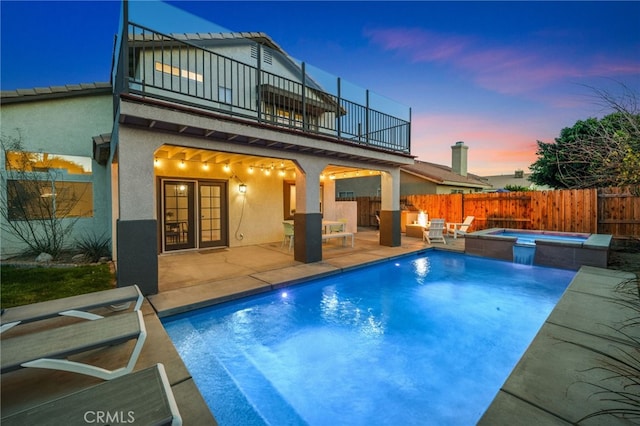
{"x":345,"y":194}
{"x":283,"y":116}
{"x":224,"y":95}
{"x":24,"y":161}
{"x":177,"y":72}
{"x":41,"y":199}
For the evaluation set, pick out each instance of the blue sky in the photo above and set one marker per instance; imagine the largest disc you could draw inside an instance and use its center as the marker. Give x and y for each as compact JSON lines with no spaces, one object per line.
{"x":496,"y":75}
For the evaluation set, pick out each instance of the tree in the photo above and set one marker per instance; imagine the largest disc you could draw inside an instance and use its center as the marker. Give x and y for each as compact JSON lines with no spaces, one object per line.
{"x":594,"y":153}
{"x":35,"y":205}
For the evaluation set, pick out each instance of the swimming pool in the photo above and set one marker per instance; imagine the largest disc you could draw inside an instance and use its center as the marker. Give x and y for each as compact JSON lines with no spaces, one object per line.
{"x":555,"y":249}
{"x":530,"y":237}
{"x":425,"y":339}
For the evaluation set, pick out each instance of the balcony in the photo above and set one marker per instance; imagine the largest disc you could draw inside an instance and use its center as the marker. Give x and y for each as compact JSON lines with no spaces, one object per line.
{"x":251,"y":78}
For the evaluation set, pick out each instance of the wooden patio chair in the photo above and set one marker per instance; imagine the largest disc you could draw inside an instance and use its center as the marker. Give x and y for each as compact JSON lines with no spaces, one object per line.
{"x":435,"y":232}
{"x":459,"y":228}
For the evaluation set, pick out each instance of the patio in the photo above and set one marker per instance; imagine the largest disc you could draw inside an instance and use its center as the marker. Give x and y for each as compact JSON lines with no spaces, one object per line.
{"x":195,"y":279}
{"x":191,"y":280}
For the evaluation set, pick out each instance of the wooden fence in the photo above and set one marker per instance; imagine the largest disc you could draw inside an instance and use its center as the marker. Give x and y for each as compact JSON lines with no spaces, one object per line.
{"x":613,"y":211}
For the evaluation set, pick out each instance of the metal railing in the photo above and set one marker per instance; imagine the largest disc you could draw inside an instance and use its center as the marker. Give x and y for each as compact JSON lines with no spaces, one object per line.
{"x":250,"y":83}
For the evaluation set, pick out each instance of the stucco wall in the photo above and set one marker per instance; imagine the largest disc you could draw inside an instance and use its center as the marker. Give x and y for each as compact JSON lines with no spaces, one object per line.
{"x":63,"y":126}
{"x":259,"y":218}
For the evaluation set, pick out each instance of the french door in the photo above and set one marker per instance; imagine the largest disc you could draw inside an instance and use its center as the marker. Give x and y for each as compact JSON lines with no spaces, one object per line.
{"x":194,"y":214}
{"x":213,"y":214}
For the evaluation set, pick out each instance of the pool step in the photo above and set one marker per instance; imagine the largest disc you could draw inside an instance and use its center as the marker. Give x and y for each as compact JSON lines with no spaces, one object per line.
{"x":261,"y":395}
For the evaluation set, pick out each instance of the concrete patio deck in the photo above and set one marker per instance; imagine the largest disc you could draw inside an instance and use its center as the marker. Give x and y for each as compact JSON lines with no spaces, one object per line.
{"x":550,"y":385}
{"x":191,"y":280}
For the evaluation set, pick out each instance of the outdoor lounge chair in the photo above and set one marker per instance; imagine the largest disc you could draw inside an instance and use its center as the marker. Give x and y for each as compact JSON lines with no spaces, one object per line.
{"x":143,"y":397}
{"x":49,"y":348}
{"x":459,"y":228}
{"x":75,"y":306}
{"x":435,"y":232}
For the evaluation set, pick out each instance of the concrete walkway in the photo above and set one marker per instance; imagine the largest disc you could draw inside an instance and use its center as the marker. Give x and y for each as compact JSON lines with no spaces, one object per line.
{"x":191,"y":280}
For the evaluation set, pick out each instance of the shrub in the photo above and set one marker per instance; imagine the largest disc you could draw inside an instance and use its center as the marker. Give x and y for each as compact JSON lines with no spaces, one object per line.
{"x":94,"y":247}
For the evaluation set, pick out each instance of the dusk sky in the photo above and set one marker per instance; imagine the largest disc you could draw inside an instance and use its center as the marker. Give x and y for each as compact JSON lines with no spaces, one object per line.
{"x":497,"y":75}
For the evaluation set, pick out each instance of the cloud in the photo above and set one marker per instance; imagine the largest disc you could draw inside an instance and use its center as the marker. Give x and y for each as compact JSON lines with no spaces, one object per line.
{"x":523,"y":69}
{"x":418,"y":44}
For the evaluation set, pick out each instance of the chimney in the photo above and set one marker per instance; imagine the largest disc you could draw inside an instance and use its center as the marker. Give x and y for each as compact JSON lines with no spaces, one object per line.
{"x":459,"y":158}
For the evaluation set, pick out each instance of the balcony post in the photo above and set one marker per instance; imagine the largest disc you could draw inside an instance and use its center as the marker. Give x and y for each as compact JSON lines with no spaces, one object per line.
{"x":366,"y":120}
{"x":304,"y":98}
{"x":339,"y":101}
{"x":259,"y":83}
{"x":409,"y":132}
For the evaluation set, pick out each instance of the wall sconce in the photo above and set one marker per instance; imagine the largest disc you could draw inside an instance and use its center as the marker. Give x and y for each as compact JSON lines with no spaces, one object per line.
{"x":242,"y":188}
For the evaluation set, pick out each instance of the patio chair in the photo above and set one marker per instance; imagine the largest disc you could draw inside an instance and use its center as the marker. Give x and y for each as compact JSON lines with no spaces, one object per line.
{"x":288,"y":234}
{"x":435,"y":232}
{"x":74,"y":306}
{"x":339,"y":228}
{"x":459,"y":228}
{"x":143,"y":397}
{"x":50,"y":348}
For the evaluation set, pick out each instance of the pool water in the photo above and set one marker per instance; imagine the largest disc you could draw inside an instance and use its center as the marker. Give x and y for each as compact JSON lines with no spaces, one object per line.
{"x":530,"y":238}
{"x":423,"y":340}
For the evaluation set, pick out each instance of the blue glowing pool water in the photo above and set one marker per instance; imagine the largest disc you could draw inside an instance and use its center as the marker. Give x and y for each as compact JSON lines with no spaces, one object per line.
{"x":524,"y":237}
{"x":424,"y":340}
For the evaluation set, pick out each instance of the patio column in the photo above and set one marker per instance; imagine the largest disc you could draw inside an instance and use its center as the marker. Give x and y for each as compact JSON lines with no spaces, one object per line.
{"x":308,"y":218}
{"x":136,"y":228}
{"x":390,"y":208}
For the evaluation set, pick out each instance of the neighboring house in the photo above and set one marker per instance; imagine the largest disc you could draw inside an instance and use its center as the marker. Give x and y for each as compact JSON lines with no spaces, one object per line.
{"x":518,"y":178}
{"x":55,"y":127}
{"x":422,"y":177}
{"x":218,"y":138}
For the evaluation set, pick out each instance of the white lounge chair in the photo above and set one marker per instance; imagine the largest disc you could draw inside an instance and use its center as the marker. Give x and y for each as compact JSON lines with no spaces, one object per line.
{"x":459,"y":228}
{"x":50,"y":348}
{"x":143,"y":397}
{"x":435,"y":232}
{"x":74,"y":306}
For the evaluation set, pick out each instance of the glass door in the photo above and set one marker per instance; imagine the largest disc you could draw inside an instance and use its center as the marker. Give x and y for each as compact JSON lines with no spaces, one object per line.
{"x":178,"y":215}
{"x":213,"y":217}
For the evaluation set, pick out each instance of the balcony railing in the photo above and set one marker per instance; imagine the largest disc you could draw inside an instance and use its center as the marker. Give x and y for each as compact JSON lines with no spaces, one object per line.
{"x":249,"y":86}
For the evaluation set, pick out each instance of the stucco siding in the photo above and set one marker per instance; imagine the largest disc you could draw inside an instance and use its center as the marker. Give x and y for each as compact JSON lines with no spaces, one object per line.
{"x":63,"y":126}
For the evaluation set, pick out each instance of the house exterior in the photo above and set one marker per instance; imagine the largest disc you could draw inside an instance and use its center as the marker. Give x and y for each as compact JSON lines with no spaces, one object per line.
{"x":518,"y":178}
{"x":212,"y":140}
{"x":422,"y":177}
{"x":55,"y":127}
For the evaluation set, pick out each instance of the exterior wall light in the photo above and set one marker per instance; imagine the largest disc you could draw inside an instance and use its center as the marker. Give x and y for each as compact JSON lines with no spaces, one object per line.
{"x":242,"y":188}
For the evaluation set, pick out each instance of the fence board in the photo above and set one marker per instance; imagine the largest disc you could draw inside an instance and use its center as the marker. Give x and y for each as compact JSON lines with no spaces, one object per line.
{"x":613,"y":211}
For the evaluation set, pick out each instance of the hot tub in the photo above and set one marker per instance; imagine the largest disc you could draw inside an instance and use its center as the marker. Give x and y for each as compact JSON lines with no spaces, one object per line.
{"x":544,"y":248}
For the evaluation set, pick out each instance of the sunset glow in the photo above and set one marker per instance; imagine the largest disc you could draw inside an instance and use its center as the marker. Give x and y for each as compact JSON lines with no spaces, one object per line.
{"x":497,"y":75}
